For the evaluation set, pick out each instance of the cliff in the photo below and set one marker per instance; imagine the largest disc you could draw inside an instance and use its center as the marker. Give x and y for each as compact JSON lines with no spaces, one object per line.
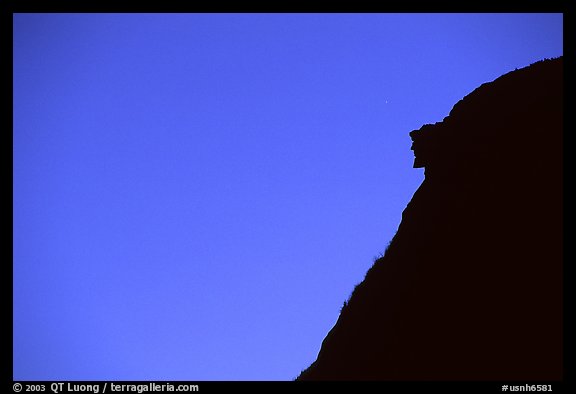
{"x":470,"y":287}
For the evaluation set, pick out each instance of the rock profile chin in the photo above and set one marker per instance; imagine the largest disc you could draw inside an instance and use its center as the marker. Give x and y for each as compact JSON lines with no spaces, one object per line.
{"x":470,"y":287}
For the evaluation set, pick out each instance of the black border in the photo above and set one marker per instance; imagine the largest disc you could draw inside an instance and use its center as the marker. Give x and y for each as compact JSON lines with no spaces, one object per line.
{"x":315,"y":387}
{"x":180,"y":6}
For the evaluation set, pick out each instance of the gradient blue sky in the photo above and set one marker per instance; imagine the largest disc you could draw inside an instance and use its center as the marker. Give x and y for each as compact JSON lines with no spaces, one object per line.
{"x":196,"y":195}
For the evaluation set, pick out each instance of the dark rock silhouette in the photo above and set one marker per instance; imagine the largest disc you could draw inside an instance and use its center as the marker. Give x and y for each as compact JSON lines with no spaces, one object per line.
{"x":470,"y":287}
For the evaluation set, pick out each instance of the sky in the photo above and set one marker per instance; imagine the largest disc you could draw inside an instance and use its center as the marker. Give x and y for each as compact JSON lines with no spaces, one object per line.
{"x":196,"y":195}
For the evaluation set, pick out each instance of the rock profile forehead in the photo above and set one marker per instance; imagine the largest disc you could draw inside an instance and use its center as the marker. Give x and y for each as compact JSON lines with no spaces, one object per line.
{"x":495,"y":118}
{"x":478,"y":250}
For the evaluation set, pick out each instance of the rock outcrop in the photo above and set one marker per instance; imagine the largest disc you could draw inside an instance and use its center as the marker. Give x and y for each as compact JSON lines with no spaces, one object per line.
{"x":470,"y":287}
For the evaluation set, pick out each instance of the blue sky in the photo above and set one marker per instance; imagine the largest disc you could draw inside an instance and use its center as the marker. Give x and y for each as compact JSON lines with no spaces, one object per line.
{"x":196,"y":195}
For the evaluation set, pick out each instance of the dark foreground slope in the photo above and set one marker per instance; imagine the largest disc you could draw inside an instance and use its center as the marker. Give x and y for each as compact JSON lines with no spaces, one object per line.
{"x":470,"y":287}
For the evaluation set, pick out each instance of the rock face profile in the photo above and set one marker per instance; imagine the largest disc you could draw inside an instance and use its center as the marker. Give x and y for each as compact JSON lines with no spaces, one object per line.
{"x":470,"y":287}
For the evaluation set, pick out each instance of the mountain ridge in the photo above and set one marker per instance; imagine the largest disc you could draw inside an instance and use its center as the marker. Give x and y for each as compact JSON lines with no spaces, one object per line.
{"x":470,"y":287}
